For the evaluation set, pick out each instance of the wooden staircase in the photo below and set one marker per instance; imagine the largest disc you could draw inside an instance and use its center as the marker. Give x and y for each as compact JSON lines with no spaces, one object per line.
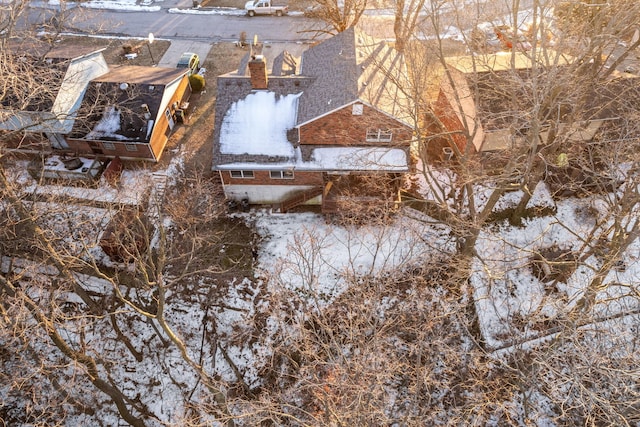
{"x":299,"y":198}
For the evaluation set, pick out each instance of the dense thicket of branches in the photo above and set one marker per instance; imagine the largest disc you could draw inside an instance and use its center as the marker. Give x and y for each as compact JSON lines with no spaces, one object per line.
{"x":89,"y":341}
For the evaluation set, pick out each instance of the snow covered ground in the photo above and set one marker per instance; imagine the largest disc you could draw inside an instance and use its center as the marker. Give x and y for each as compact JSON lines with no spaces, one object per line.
{"x":514,"y":305}
{"x":317,"y":261}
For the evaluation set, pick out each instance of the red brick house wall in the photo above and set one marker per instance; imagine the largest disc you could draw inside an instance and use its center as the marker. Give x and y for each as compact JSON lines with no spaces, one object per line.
{"x":447,"y":117}
{"x":98,"y":148}
{"x":342,"y":127}
{"x":263,"y":177}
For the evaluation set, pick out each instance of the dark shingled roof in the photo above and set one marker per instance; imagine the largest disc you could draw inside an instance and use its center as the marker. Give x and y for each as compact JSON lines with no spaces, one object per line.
{"x":136,"y":74}
{"x":351,"y":67}
{"x":334,"y":64}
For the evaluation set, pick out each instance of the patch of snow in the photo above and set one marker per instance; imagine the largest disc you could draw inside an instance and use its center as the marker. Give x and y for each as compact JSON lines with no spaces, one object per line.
{"x":305,"y":254}
{"x":130,"y":5}
{"x":510,"y":299}
{"x":108,"y":126}
{"x":134,"y":183}
{"x":358,"y":158}
{"x":229,"y":11}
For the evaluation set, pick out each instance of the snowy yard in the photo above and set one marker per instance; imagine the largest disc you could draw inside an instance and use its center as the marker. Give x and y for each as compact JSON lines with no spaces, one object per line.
{"x":300,"y":320}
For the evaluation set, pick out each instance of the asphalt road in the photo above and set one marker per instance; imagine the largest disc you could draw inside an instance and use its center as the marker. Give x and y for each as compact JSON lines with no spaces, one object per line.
{"x":202,"y":27}
{"x":213,"y":28}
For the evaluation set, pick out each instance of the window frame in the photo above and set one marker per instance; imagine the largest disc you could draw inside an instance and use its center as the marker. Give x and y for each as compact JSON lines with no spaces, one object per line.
{"x":242,"y":174}
{"x":110,"y":146}
{"x":281,"y":174}
{"x":131,"y":147}
{"x":379,"y":135}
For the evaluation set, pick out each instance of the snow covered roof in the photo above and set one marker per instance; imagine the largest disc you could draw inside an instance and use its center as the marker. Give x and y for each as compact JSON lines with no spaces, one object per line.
{"x":74,"y":85}
{"x":257,"y":127}
{"x":258,"y":124}
{"x":335,"y":159}
{"x":360,"y":158}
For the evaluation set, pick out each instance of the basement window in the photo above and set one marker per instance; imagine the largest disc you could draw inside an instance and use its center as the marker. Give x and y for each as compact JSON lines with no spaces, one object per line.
{"x":109,"y":146}
{"x":285,"y":174}
{"x":241,"y":174}
{"x":131,"y":147}
{"x":379,"y":135}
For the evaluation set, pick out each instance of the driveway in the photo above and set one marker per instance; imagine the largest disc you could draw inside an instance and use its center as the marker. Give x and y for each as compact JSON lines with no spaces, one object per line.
{"x":178,"y":47}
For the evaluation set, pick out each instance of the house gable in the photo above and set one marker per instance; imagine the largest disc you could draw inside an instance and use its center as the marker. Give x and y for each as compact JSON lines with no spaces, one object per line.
{"x":351,"y":124}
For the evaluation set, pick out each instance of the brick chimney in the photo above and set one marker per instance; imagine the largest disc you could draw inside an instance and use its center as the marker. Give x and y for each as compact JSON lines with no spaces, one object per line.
{"x":258,"y":72}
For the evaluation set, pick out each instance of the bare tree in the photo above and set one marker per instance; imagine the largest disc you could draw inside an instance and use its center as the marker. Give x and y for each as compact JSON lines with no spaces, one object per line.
{"x":406,"y":19}
{"x":99,"y":342}
{"x":337,"y":15}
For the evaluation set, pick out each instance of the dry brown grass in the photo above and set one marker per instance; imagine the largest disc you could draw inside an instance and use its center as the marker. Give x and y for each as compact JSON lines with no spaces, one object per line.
{"x":114,"y":49}
{"x":197,"y":136}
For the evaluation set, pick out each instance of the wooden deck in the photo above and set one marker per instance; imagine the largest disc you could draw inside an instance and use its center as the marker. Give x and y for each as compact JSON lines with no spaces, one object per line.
{"x":360,"y":194}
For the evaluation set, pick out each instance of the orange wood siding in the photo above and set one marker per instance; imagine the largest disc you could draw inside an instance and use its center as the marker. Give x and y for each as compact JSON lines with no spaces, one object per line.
{"x":159,"y":138}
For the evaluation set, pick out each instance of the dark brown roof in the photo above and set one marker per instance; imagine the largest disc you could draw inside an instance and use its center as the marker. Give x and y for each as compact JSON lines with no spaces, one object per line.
{"x":130,"y":102}
{"x":135,"y":74}
{"x":506,"y":98}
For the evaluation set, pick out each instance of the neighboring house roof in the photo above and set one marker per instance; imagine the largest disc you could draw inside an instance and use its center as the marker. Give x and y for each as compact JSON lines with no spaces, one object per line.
{"x":495,"y":94}
{"x":43,"y":50}
{"x":504,"y":61}
{"x":492,"y":92}
{"x":135,"y":74}
{"x":48,"y":85}
{"x":253,"y":128}
{"x":124,"y":104}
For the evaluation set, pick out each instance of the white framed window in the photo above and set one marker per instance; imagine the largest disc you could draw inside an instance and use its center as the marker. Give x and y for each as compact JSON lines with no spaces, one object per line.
{"x":241,"y":174}
{"x":379,"y":135}
{"x":357,"y":109}
{"x":131,"y":147}
{"x":281,"y":174}
{"x":108,"y":146}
